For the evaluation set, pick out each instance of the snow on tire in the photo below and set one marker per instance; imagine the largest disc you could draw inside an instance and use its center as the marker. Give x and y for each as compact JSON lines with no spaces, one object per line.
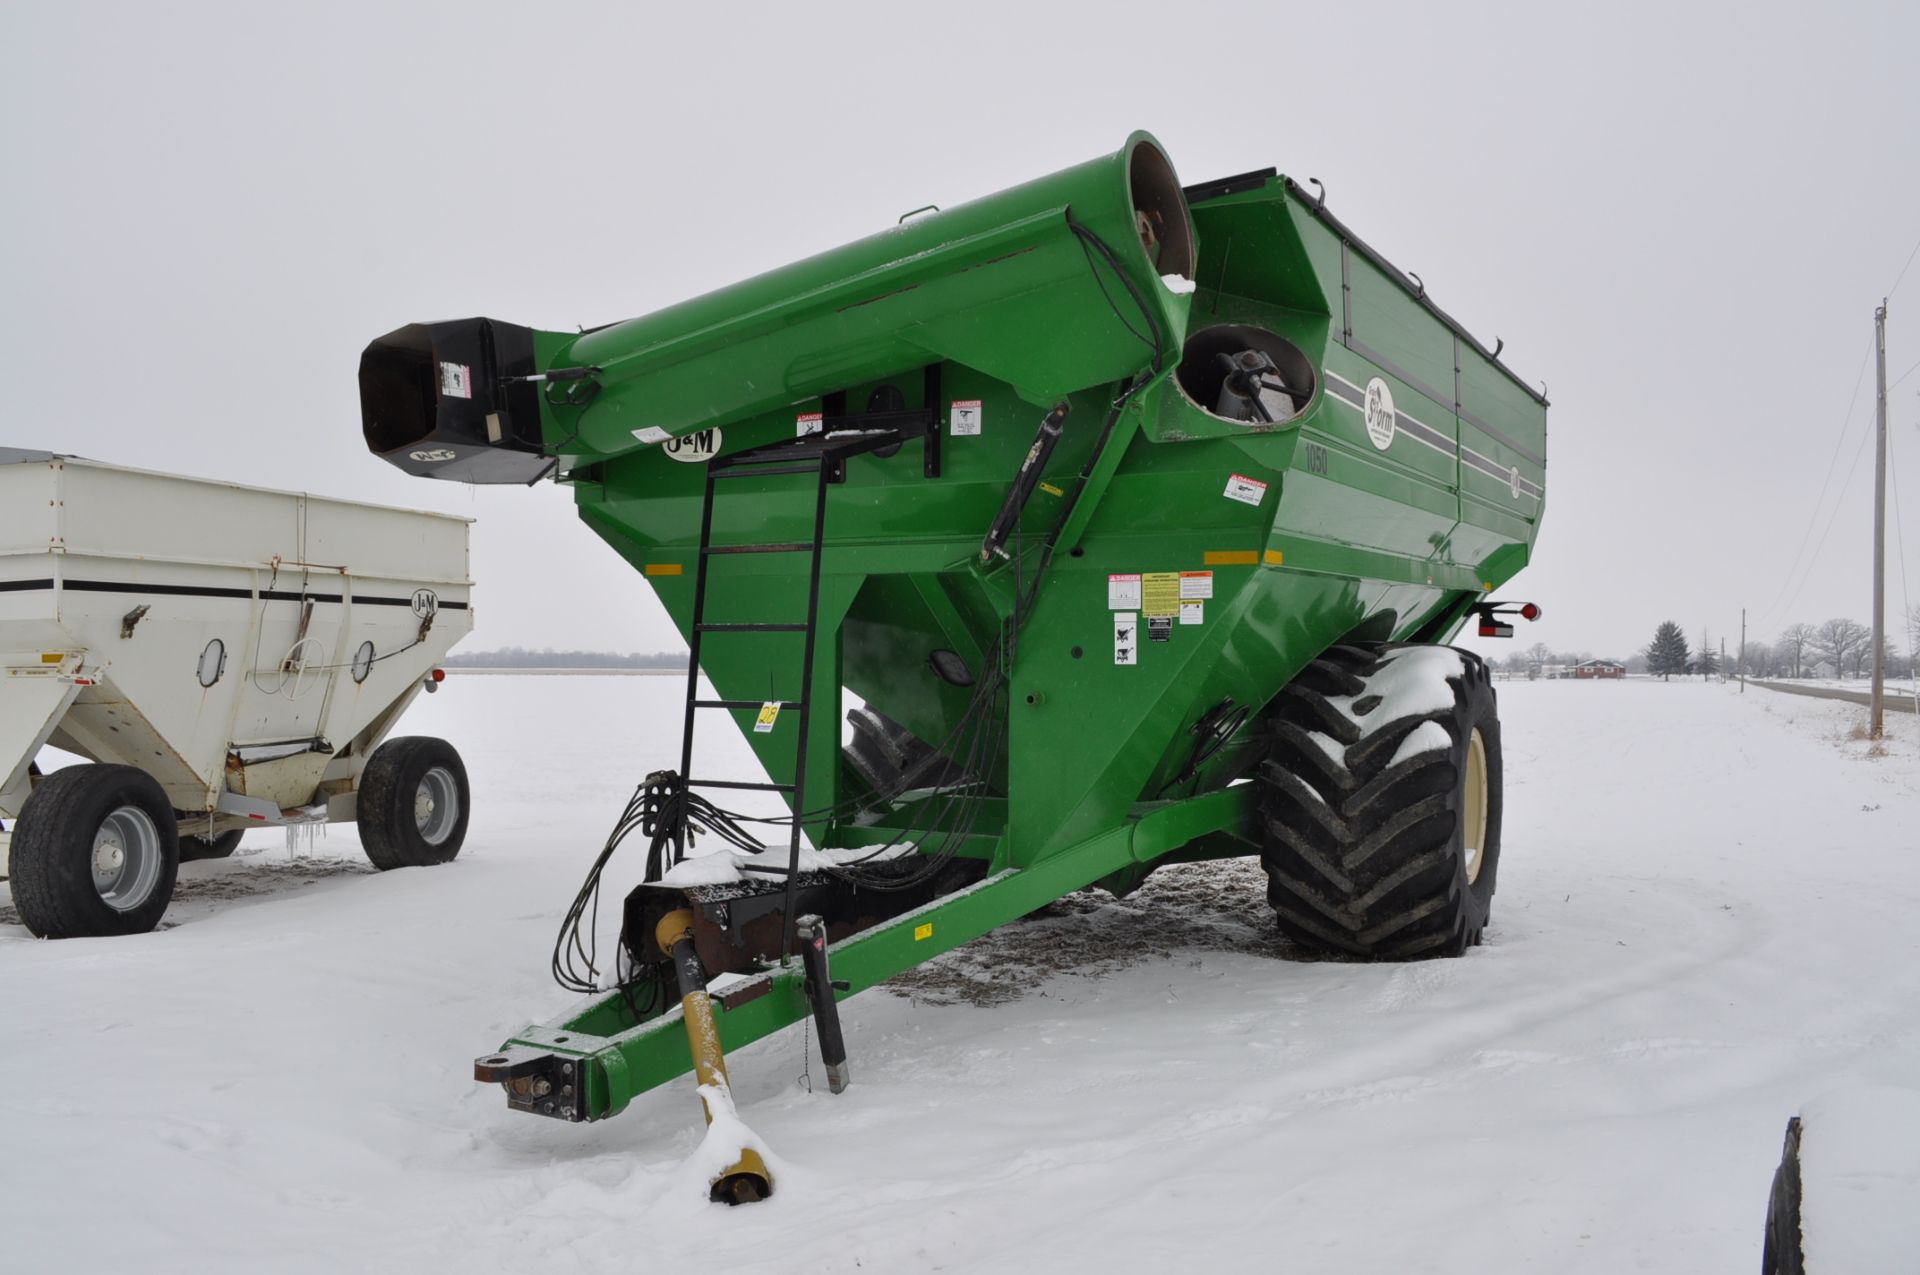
{"x":1381,"y":802}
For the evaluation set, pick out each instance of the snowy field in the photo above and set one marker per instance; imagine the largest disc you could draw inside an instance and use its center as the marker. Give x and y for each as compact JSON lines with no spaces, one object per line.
{"x":1706,"y":918}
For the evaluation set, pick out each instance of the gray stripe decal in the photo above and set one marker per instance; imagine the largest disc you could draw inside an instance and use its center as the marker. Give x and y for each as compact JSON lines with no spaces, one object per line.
{"x":1385,"y":364}
{"x":1416,"y":429}
{"x":1497,"y":436}
{"x":1419,"y":431}
{"x":1491,"y":467}
{"x":1422,"y":432}
{"x":1346,"y":391}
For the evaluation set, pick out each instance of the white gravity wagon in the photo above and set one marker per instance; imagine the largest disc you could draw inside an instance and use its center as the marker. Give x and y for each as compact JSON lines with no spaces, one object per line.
{"x":226,"y":658}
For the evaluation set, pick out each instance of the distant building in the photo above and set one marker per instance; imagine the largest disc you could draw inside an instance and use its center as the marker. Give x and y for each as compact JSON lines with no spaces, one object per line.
{"x":1599,"y":668}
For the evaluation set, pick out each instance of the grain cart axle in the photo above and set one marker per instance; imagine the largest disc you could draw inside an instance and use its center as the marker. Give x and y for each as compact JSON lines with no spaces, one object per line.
{"x":1134,"y":515}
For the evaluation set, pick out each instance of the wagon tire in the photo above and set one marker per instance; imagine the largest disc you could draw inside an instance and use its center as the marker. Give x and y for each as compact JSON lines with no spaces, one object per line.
{"x":194,"y":846}
{"x":413,"y":804}
{"x":94,"y":853}
{"x":1370,"y":854}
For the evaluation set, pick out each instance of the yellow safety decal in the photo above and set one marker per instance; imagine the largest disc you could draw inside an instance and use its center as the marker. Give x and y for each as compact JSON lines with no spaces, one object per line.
{"x":1274,"y":557}
{"x":49,"y":657}
{"x":769,"y":714}
{"x":1160,"y":593}
{"x":1231,"y":557}
{"x":923,"y":931}
{"x":1051,"y":490}
{"x":663,"y":569}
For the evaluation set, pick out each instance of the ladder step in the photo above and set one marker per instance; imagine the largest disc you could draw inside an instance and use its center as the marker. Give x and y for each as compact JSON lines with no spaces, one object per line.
{"x":738,"y":783}
{"x":748,"y":703}
{"x":760,"y":469}
{"x":794,"y":546}
{"x":749,"y":628}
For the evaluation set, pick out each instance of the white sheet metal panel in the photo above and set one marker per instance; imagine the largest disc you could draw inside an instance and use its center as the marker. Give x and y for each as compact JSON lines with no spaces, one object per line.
{"x":291,"y":587}
{"x":27,"y":503}
{"x":31,"y":702}
{"x":388,"y":544}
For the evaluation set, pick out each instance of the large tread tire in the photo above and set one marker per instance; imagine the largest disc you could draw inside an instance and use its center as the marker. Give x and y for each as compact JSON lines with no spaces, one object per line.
{"x":53,"y":853}
{"x":888,"y":756}
{"x":1366,"y":852}
{"x":193,"y":846}
{"x":402,"y":793}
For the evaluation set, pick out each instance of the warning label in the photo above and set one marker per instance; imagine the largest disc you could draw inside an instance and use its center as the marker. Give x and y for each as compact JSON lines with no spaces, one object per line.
{"x":1195,"y":584}
{"x":1194,"y":612}
{"x":964,"y":419}
{"x":1248,"y":491}
{"x":1123,"y":593}
{"x":456,"y":380}
{"x":808,"y":423}
{"x":1160,"y":593}
{"x":1126,"y":637}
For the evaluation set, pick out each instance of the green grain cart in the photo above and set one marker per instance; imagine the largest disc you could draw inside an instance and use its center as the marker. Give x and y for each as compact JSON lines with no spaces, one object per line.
{"x":1137,"y":517}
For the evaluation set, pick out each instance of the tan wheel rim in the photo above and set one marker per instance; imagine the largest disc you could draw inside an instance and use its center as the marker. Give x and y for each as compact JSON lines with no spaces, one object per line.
{"x":1473,"y":811}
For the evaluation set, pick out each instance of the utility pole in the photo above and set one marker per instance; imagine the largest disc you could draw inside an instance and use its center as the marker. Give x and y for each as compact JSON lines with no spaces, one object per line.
{"x":1723,"y":661}
{"x":1877,"y":701}
{"x":1743,"y":650}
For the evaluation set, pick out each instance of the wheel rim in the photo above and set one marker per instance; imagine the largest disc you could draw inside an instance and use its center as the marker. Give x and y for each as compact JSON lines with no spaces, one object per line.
{"x":126,"y":858}
{"x":1473,"y":811}
{"x":436,"y":805}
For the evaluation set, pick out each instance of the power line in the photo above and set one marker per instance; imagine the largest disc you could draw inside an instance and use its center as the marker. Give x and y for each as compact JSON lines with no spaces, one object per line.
{"x":1909,"y":619}
{"x":1903,"y":376}
{"x":1903,"y":270}
{"x":1858,"y":452}
{"x":1839,"y":439}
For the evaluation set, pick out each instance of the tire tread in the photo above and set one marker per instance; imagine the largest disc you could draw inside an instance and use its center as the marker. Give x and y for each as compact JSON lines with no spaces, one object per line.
{"x":1362,"y":853}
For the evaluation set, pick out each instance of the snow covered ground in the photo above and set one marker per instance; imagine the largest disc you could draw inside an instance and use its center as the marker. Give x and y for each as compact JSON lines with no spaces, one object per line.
{"x":1706,"y":918}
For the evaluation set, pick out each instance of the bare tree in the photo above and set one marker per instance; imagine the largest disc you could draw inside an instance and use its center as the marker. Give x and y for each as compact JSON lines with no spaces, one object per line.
{"x":1795,"y":640}
{"x":1840,"y":640}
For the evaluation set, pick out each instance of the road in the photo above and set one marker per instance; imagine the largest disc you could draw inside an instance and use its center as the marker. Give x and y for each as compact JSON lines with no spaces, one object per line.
{"x":1897,"y":701}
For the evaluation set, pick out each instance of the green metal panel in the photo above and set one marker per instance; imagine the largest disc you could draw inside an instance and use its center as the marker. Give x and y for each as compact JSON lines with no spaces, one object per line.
{"x":1000,"y":284}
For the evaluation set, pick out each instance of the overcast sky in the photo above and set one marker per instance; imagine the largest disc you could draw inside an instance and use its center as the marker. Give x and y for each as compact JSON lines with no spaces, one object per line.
{"x":1680,"y":218}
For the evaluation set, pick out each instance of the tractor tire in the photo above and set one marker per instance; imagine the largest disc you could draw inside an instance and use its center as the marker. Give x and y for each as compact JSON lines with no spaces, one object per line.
{"x":94,"y":853}
{"x":1381,"y":802}
{"x":887,"y":756}
{"x":194,"y":846}
{"x":413,"y":804}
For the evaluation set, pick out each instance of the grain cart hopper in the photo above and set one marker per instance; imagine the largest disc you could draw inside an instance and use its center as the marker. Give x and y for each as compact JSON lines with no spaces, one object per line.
{"x":1137,"y":517}
{"x":226,"y":658}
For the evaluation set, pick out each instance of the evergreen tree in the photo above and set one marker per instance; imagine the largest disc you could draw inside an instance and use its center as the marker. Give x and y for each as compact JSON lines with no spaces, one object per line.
{"x":1668,"y":654}
{"x":1706,"y":664}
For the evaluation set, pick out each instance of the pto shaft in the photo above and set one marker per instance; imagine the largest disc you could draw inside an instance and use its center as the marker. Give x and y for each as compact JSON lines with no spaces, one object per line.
{"x":746,"y":1178}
